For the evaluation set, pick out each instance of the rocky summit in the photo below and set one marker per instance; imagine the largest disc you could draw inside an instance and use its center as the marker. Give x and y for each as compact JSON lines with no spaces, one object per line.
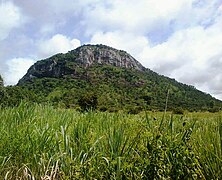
{"x":84,"y":56}
{"x":101,"y":54}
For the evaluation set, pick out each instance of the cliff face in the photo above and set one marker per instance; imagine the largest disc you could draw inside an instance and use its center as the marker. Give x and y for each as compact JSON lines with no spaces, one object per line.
{"x":84,"y":56}
{"x":100,"y":54}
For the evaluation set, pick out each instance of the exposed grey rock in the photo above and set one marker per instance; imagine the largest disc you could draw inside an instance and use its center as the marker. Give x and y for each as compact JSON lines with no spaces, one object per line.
{"x":84,"y":56}
{"x":100,"y":54}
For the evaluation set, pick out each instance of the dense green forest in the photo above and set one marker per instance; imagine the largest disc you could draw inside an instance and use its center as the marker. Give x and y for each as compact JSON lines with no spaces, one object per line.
{"x":119,"y":89}
{"x":1,"y":88}
{"x":65,"y":81}
{"x":1,"y":81}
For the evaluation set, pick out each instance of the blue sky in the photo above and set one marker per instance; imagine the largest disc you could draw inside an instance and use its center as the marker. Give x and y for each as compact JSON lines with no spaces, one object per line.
{"x":181,"y":39}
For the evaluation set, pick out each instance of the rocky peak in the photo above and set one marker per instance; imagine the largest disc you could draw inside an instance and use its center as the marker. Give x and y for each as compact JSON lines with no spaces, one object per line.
{"x":83,"y":57}
{"x":101,"y":54}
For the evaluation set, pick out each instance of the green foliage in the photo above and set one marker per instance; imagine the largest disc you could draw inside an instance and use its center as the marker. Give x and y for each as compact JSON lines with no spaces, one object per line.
{"x":88,"y":102}
{"x":119,"y":89}
{"x":40,"y":142}
{"x":147,"y":99}
{"x":13,"y":95}
{"x":178,"y":111}
{"x":2,"y":90}
{"x":1,"y":81}
{"x":214,"y":109}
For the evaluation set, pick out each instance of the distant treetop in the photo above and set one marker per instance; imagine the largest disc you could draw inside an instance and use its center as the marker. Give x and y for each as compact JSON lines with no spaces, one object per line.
{"x":1,"y":81}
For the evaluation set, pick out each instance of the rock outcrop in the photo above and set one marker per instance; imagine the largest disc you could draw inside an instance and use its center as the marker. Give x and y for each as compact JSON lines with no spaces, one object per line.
{"x":84,"y":56}
{"x":101,"y":54}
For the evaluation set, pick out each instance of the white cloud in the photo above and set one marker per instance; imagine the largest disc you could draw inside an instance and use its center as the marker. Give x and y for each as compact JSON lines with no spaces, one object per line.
{"x":16,"y":69}
{"x":47,"y":29}
{"x":50,"y":15}
{"x":192,"y":56}
{"x":57,"y":44}
{"x":10,"y":16}
{"x":134,"y":16}
{"x":125,"y":41}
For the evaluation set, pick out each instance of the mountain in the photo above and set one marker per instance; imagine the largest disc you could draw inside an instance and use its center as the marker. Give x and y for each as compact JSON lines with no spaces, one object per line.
{"x":61,"y":65}
{"x":101,"y":77}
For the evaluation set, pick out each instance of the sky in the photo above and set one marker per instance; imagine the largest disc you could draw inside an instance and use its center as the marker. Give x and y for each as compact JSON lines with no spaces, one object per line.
{"x":181,"y":39}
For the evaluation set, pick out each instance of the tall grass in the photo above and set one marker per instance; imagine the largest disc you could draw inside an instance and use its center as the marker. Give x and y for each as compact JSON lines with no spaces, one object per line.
{"x":40,"y":142}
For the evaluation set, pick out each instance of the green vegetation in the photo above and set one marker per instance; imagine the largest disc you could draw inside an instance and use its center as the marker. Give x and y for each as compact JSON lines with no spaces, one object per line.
{"x":64,"y":79}
{"x":115,"y":89}
{"x":70,"y":120}
{"x":1,"y":87}
{"x":52,"y":143}
{"x":1,"y":81}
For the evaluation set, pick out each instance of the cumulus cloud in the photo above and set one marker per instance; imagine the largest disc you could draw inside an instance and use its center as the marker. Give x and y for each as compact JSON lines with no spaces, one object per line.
{"x":10,"y":16}
{"x":192,"y":56}
{"x":57,"y":44}
{"x":156,"y":19}
{"x":17,"y":67}
{"x":133,"y":16}
{"x":48,"y":17}
{"x":125,"y":41}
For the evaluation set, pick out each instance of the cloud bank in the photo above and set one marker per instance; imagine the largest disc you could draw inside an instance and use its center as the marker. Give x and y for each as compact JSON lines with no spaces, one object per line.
{"x":57,"y":44}
{"x":11,"y":18}
{"x":181,"y":39}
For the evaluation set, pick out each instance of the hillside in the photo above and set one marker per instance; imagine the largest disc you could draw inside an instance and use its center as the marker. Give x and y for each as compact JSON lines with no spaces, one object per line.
{"x":1,"y":81}
{"x":1,"y":88}
{"x":101,"y":77}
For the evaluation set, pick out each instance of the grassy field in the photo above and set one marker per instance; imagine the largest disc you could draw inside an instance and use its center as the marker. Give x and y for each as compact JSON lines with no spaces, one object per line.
{"x":40,"y":142}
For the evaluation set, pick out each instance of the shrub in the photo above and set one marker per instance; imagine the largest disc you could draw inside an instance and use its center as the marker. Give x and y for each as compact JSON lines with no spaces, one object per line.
{"x":88,"y":102}
{"x":135,"y":110}
{"x":178,"y":111}
{"x":214,"y":109}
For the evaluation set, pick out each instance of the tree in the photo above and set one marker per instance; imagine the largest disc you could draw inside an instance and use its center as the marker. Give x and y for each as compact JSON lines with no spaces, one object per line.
{"x":147,"y":99}
{"x":88,"y":102}
{"x":1,"y":81}
{"x":2,"y":90}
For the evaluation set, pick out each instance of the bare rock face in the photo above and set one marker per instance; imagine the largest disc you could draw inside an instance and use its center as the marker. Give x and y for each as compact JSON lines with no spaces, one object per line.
{"x":85,"y":56}
{"x":100,"y":54}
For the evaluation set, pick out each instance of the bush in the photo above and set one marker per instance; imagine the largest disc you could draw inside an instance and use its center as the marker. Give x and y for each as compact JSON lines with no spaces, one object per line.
{"x":178,"y":111}
{"x":135,"y":110}
{"x":1,"y":81}
{"x":214,"y":109}
{"x":88,"y":102}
